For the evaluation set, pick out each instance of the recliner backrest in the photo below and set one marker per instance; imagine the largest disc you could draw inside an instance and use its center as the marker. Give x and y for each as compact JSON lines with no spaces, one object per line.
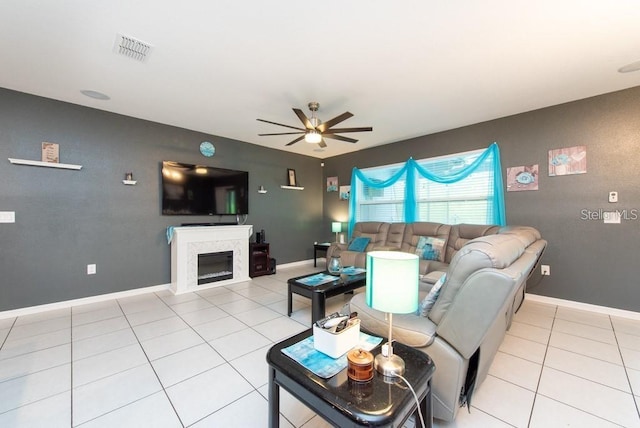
{"x":463,"y":233}
{"x":375,"y":230}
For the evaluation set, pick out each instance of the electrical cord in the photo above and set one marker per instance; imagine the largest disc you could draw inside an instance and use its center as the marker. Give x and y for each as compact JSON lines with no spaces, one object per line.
{"x":415,"y":396}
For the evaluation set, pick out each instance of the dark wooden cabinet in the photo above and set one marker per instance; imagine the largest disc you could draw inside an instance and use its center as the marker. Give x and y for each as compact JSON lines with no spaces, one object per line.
{"x":259,"y":260}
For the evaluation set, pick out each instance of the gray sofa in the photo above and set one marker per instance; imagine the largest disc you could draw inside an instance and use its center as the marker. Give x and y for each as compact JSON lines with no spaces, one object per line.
{"x":405,"y":237}
{"x":484,"y":286}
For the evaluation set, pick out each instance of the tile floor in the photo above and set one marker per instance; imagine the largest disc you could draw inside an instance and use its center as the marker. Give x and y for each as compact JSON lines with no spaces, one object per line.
{"x":198,"y":360}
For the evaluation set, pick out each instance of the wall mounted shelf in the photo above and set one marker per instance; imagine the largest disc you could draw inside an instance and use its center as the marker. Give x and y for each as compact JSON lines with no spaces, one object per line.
{"x":44,"y":164}
{"x":292,"y":187}
{"x":129,"y":182}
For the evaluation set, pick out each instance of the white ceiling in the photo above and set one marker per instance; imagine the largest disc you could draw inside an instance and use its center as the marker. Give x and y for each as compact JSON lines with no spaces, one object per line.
{"x":405,"y":68}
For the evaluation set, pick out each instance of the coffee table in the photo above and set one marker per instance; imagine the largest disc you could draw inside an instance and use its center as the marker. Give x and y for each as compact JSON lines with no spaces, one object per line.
{"x":344,"y":403}
{"x":319,"y":293}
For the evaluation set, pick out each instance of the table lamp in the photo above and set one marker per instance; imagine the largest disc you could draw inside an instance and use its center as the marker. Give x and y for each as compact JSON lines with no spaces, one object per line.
{"x":392,"y":287}
{"x":336,"y":227}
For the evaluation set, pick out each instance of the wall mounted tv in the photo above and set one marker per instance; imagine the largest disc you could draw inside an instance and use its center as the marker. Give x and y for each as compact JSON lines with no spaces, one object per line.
{"x":203,"y":190}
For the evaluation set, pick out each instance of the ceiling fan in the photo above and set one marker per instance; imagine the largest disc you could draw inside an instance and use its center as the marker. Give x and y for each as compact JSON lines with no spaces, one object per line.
{"x":315,"y":131}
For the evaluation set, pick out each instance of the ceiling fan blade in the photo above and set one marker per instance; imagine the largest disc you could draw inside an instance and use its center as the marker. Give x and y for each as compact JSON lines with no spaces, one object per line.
{"x":322,"y":144}
{"x":296,"y":140}
{"x":279,"y":124}
{"x":303,"y":118}
{"x":343,"y":130}
{"x":336,"y":120}
{"x":282,"y":133}
{"x":340,"y":137}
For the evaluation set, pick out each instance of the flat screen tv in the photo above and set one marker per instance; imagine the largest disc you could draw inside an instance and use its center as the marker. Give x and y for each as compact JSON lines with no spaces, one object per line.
{"x":203,"y":190}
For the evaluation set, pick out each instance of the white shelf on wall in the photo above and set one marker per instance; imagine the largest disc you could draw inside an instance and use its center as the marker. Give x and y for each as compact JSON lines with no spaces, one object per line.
{"x":292,"y":187}
{"x":129,"y":182}
{"x":44,"y":164}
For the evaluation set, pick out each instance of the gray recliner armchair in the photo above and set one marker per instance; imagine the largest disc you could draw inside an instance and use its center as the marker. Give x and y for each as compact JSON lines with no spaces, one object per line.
{"x":465,"y":327}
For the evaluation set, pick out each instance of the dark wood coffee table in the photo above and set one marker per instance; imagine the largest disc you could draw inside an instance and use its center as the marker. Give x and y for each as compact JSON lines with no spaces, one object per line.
{"x":342,"y":402}
{"x":319,"y":293}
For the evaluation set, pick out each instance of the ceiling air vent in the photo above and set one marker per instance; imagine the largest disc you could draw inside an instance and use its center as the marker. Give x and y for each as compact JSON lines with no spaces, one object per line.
{"x":132,"y":48}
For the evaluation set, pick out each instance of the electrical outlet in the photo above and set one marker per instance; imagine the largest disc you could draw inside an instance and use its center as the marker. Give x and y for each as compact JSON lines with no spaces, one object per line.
{"x":545,"y":269}
{"x":91,"y":269}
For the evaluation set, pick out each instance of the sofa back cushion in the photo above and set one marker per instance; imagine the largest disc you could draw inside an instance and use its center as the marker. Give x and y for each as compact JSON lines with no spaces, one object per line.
{"x":395,"y":235}
{"x":376,"y":231}
{"x":414,"y":231}
{"x":463,"y":233}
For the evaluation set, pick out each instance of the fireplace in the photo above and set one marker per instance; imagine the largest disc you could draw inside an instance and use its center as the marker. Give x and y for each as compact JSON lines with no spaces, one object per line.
{"x":214,"y":267}
{"x":190,"y":242}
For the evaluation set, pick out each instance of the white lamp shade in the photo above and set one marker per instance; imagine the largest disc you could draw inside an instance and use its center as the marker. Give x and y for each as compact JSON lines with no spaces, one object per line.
{"x":392,"y":281}
{"x":336,"y":227}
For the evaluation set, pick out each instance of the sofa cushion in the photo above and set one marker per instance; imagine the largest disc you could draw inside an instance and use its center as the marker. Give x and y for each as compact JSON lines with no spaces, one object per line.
{"x":427,"y":303}
{"x":359,"y":244}
{"x":430,"y":248}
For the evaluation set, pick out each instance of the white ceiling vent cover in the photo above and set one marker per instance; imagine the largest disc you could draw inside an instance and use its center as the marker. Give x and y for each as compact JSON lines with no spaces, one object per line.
{"x":132,"y":48}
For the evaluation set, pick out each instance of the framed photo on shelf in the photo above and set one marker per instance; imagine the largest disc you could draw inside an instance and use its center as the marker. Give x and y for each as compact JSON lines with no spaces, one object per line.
{"x":291,"y":177}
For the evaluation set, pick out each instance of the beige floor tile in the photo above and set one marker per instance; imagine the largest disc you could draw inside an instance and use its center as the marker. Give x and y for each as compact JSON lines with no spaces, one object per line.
{"x":504,"y":400}
{"x":584,"y":317}
{"x":530,"y":332}
{"x":548,"y":413}
{"x":591,"y":348}
{"x":599,"y":371}
{"x":604,"y":335}
{"x":526,"y":349}
{"x":602,"y":401}
{"x":516,"y":370}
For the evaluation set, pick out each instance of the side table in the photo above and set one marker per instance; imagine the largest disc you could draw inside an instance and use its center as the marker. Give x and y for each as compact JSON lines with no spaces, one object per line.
{"x":344,"y":403}
{"x":322,"y":247}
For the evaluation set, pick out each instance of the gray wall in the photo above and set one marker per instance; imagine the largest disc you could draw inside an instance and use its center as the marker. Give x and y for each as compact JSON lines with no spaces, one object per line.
{"x":68,"y":219}
{"x":590,"y":261}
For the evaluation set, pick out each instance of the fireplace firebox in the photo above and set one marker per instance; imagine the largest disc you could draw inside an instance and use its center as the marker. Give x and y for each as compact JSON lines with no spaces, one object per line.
{"x":214,"y":267}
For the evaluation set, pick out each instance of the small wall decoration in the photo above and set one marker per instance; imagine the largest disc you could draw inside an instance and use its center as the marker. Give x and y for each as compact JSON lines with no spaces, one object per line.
{"x":291,"y":177}
{"x":522,"y":178}
{"x":332,"y":184}
{"x":567,"y":161}
{"x":344,"y":193}
{"x":50,"y":152}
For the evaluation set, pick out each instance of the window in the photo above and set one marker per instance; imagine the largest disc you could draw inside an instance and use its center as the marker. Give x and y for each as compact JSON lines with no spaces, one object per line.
{"x":459,"y":188}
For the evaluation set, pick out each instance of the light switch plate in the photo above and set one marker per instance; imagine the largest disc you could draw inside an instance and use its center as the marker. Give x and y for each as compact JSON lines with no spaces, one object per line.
{"x":613,"y":197}
{"x":7,"y":216}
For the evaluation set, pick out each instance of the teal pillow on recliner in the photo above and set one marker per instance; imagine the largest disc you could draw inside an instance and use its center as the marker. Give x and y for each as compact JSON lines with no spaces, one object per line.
{"x":359,"y":244}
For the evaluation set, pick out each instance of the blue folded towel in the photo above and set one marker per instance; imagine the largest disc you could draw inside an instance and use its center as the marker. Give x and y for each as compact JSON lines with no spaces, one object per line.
{"x":169,"y":234}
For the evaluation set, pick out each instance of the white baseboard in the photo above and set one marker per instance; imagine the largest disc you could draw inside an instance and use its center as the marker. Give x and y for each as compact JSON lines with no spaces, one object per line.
{"x":119,"y":295}
{"x":584,"y":306}
{"x":83,"y":301}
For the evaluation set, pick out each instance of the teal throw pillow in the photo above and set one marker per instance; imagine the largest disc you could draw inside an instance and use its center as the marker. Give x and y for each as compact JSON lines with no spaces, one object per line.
{"x":429,"y":248}
{"x":430,"y":300}
{"x":359,"y":244}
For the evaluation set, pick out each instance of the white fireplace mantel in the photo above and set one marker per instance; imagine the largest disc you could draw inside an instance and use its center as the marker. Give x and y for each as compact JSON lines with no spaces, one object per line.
{"x":189,"y":241}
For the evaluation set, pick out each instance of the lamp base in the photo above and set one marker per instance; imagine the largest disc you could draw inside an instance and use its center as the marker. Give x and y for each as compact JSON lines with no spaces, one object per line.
{"x":391,"y":366}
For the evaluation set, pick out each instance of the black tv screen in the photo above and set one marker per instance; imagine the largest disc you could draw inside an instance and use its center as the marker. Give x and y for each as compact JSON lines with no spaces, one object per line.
{"x":203,"y":190}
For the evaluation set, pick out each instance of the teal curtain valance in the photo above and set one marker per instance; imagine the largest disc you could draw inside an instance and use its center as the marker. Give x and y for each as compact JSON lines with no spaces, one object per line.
{"x":408,"y":172}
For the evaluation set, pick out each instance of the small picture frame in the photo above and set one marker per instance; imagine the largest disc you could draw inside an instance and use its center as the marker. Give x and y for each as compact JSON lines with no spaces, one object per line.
{"x":291,"y":177}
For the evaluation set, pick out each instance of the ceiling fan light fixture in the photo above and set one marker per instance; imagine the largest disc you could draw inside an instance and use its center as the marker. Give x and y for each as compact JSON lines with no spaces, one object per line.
{"x":313,"y":137}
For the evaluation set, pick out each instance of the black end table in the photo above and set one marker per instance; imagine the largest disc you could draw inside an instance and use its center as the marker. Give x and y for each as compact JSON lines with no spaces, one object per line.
{"x":322,"y":247}
{"x":319,"y":293}
{"x":383,"y":402}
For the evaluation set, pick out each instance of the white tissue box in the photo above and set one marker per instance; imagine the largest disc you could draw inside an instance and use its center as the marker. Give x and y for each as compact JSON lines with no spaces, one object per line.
{"x":336,"y":345}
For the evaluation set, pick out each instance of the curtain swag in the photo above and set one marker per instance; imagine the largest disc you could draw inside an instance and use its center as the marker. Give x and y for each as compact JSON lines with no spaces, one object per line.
{"x":411,"y":167}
